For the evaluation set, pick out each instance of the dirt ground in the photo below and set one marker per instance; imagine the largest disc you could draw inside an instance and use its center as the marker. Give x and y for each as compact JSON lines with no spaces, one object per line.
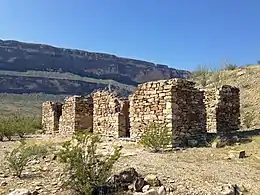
{"x":190,"y":171}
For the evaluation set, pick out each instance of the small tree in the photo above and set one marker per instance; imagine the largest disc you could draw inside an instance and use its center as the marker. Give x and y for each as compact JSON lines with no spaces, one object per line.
{"x":156,"y":137}
{"x":200,"y":75}
{"x":85,"y":169}
{"x":20,"y":156}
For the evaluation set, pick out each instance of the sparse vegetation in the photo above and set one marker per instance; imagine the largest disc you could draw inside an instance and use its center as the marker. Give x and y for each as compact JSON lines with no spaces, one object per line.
{"x":20,"y":156}
{"x":18,"y":125}
{"x":86,"y":169}
{"x":230,"y":67}
{"x":25,"y":104}
{"x":156,"y":137}
{"x":200,"y":75}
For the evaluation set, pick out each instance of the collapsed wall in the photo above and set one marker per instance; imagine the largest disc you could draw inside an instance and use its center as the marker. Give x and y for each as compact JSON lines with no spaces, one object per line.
{"x":176,"y":103}
{"x":223,"y":109}
{"x":50,"y":117}
{"x":110,"y":114}
{"x":77,"y":114}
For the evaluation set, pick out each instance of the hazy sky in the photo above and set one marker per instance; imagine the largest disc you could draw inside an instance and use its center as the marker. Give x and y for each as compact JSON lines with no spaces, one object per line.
{"x":180,"y":33}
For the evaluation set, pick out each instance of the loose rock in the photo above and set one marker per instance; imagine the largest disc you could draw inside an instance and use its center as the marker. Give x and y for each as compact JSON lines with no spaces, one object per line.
{"x":152,"y":180}
{"x":146,"y":188}
{"x":150,"y":192}
{"x":162,"y":190}
{"x":20,"y":192}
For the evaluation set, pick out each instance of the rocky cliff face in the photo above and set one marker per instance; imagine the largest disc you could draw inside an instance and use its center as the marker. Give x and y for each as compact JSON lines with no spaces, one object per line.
{"x":18,"y":56}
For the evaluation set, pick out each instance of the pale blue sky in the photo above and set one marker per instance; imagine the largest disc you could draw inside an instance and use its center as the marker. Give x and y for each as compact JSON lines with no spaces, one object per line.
{"x":180,"y":33}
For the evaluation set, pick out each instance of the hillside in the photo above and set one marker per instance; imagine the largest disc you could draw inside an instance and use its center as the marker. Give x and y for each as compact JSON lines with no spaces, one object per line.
{"x":248,"y":80}
{"x":27,"y":57}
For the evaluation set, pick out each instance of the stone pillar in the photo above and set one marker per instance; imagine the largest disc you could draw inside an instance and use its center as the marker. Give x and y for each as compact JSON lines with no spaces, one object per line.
{"x":50,"y":117}
{"x":189,"y":113}
{"x":77,"y":115}
{"x":175,"y":103}
{"x":110,"y":115}
{"x":151,"y":103}
{"x":223,"y":109}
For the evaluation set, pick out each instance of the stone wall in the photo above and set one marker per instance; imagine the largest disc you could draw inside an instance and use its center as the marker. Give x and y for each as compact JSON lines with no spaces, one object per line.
{"x":50,"y":117}
{"x":176,"y":103}
{"x":223,"y":109}
{"x":110,"y":115}
{"x":77,"y":114}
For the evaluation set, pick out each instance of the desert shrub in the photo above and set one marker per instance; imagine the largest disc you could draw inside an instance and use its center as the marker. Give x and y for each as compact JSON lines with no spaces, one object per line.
{"x":20,"y":156}
{"x":230,"y":67}
{"x":156,"y":137}
{"x":200,"y":75}
{"x":248,"y":119}
{"x":23,"y":125}
{"x":1,"y":135}
{"x":18,"y":125}
{"x":6,"y":130}
{"x":85,"y":169}
{"x":216,"y":77}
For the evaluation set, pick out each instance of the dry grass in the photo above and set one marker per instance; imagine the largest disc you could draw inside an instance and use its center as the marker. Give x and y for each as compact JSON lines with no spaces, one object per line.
{"x":247,"y":79}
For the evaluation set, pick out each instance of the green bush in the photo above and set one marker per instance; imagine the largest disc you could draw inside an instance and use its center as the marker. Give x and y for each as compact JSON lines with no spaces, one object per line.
{"x":18,"y":125}
{"x":156,"y":137}
{"x":6,"y":129}
{"x":20,"y":156}
{"x":85,"y":169}
{"x":23,"y":125}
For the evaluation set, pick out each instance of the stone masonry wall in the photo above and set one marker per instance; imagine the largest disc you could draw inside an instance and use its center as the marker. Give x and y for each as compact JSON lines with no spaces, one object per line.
{"x":174,"y":103}
{"x":50,"y":117}
{"x":77,"y":114}
{"x":189,"y":113}
{"x":223,"y":109}
{"x":110,"y":114}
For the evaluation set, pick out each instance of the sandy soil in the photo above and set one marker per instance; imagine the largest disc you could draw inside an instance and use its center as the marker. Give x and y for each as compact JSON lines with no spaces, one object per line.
{"x":191,"y":171}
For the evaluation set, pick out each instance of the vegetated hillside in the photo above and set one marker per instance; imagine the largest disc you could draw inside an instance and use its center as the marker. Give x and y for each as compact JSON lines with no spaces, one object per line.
{"x":21,"y":57}
{"x":248,"y":80}
{"x":25,"y":104}
{"x":56,"y":86}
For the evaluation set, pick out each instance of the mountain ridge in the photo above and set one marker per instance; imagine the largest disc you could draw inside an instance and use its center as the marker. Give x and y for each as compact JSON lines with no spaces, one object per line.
{"x":23,"y":57}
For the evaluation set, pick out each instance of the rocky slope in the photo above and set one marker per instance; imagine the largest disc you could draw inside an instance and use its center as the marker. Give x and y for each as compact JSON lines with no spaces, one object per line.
{"x":247,"y":79}
{"x":22,"y":57}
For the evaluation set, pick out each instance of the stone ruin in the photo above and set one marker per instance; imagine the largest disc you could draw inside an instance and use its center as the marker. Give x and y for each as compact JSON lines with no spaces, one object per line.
{"x":223,"y":109}
{"x":110,"y":115}
{"x":51,"y":113}
{"x":188,"y":112}
{"x":175,"y":103}
{"x":77,"y":114}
